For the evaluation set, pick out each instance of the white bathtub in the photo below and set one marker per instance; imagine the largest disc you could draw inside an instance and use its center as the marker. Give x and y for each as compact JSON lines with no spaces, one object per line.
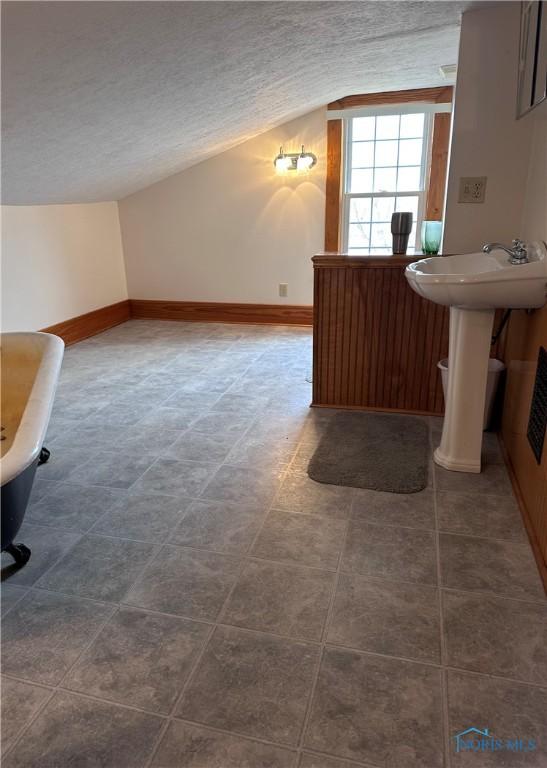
{"x":30,"y":366}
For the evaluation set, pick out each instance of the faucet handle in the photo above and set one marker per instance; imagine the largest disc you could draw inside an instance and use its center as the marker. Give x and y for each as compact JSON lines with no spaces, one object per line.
{"x":519,"y":245}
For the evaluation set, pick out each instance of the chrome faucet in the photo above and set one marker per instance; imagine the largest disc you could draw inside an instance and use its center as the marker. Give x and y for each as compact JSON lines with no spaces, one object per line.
{"x":517,"y":254}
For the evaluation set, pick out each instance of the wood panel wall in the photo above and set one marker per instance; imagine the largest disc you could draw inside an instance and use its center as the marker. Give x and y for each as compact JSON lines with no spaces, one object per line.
{"x":526,"y":333}
{"x":376,"y":342}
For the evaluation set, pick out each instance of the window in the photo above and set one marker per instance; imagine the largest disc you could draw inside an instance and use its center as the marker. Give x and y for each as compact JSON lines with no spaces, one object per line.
{"x":386,"y":152}
{"x":386,"y":170}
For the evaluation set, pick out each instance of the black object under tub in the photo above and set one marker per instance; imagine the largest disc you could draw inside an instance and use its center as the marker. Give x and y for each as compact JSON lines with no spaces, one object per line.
{"x":14,"y":498}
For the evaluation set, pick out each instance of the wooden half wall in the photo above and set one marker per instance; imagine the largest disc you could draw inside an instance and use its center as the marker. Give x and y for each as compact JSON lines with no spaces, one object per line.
{"x":526,"y":333}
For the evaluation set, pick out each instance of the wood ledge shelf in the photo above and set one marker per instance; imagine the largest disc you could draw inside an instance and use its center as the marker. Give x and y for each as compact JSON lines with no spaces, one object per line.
{"x":339,"y":259}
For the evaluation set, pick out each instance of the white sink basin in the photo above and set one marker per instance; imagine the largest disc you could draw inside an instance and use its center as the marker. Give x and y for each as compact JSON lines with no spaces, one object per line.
{"x":482,"y":280}
{"x":474,"y":285}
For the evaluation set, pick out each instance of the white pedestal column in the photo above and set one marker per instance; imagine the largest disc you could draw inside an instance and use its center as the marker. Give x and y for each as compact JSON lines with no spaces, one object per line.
{"x":469,"y":352}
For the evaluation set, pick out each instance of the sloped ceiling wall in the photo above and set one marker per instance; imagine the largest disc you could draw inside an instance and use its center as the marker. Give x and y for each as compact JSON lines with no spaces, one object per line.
{"x":101,"y":99}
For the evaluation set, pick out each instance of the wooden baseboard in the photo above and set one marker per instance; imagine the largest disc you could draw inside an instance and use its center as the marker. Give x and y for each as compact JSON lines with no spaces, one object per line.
{"x":541,"y":564}
{"x":367,"y":409}
{"x":84,"y":326}
{"x":204,"y":311}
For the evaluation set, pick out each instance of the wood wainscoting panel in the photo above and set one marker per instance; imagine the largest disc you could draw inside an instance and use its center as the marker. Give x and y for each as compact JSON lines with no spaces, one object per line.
{"x":91,"y":323}
{"x":526,"y":333}
{"x":204,"y":311}
{"x":376,"y":342}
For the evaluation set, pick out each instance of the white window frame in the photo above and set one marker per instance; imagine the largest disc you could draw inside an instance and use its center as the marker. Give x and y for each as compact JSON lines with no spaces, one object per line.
{"x":425,"y":165}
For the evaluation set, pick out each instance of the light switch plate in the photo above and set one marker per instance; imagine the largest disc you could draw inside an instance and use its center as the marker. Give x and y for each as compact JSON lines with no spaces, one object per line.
{"x":472,"y":189}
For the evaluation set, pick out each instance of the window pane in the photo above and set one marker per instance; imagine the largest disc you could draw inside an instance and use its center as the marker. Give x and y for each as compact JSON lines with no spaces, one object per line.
{"x":359,"y":235}
{"x":408,"y":179}
{"x":359,"y":209}
{"x":387,"y":127}
{"x":408,"y":204}
{"x":382,"y":208}
{"x":385,"y":179}
{"x":362,"y":154}
{"x":363,"y":128}
{"x":412,"y":126}
{"x":410,"y":152}
{"x":386,"y":153}
{"x":361,"y":181}
{"x":380,"y":236}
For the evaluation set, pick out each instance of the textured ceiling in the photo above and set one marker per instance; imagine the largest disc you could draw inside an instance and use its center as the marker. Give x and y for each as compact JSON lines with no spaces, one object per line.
{"x":100,"y":99}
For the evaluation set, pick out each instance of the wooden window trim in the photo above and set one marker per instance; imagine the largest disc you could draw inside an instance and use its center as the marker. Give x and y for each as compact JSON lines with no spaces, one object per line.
{"x":439,"y":153}
{"x":440,"y":95}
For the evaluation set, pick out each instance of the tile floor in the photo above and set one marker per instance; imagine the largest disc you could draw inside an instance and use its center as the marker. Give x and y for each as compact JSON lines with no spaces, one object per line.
{"x":194,"y":600}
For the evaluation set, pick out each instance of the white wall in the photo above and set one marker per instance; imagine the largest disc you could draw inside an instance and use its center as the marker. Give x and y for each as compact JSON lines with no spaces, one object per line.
{"x":534,"y":214}
{"x":487,"y":139}
{"x":230,"y":229}
{"x":59,"y":261}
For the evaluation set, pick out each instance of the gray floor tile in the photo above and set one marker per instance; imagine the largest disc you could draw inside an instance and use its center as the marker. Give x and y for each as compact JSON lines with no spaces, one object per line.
{"x":112,"y":470}
{"x":98,"y":567}
{"x":218,"y":423}
{"x":122,"y":413}
{"x":185,"y":582}
{"x":251,"y":451}
{"x":302,"y":458}
{"x":509,"y":710}
{"x":199,"y":446}
{"x":167,"y":417}
{"x":220,"y":526}
{"x":192,"y":746}
{"x":144,"y":517}
{"x":413,"y":510}
{"x":64,"y":461}
{"x":192,"y":402}
{"x":45,"y":633}
{"x":240,"y":404}
{"x":139,"y":658}
{"x":252,"y":684}
{"x":385,"y":617}
{"x":371,"y":708}
{"x":47,"y":546}
{"x":20,"y":702}
{"x":10,"y":594}
{"x":493,"y":480}
{"x":485,"y":565}
{"x":176,"y":478}
{"x":496,"y":636}
{"x":80,"y":732}
{"x":40,"y":488}
{"x":156,"y":441}
{"x":237,"y":484}
{"x":383,"y":552}
{"x":300,"y":494}
{"x":301,"y":539}
{"x":496,"y":517}
{"x":283,"y":599}
{"x":72,"y":507}
{"x":309,"y":760}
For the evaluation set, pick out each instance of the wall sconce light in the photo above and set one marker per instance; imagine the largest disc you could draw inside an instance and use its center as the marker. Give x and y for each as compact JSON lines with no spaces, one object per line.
{"x":294,"y":161}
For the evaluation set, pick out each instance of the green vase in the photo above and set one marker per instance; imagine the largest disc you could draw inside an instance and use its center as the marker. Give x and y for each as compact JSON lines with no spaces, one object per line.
{"x":431,"y":237}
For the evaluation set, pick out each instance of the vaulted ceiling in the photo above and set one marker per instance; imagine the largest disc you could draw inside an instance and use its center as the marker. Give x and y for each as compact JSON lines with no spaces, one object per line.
{"x":100,"y":99}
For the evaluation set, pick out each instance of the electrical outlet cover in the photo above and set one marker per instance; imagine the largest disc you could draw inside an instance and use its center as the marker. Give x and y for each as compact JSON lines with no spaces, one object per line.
{"x":283,"y":289}
{"x":472,"y":189}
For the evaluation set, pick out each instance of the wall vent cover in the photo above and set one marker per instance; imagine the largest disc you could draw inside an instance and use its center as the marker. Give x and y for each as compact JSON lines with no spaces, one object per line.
{"x":537,"y":422}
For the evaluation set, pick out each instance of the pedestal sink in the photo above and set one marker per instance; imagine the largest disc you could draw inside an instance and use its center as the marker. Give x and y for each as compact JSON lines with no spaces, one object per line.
{"x":474,"y":285}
